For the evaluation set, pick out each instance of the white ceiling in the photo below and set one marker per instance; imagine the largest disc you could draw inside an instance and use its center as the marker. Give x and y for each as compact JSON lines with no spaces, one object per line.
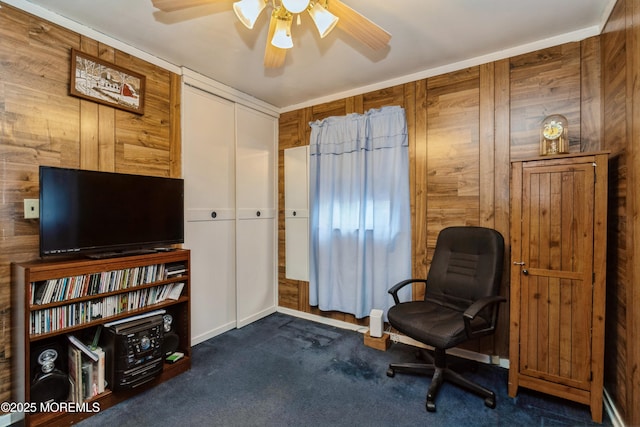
{"x":429,"y":37}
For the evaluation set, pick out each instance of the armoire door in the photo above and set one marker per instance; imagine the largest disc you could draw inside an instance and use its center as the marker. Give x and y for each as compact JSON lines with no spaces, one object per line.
{"x":557,"y":274}
{"x":209,"y":174}
{"x":256,"y":283}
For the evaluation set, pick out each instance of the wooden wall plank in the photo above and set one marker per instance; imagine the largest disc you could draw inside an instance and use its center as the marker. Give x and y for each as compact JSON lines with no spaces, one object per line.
{"x":419,"y":189}
{"x":453,"y":186}
{"x":106,"y":123}
{"x":89,"y":120}
{"x":591,"y":98}
{"x":502,"y":156}
{"x":175,"y":134}
{"x":544,"y":82}
{"x":633,"y":119}
{"x":620,"y":261}
{"x":487,"y":145}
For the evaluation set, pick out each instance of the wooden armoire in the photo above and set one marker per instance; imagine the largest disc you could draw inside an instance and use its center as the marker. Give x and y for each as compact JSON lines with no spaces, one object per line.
{"x":558,"y":269}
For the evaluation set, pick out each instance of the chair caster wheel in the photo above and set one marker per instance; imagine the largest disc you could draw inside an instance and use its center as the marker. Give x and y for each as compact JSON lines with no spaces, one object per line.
{"x":490,"y":402}
{"x":431,"y":406}
{"x":391,"y":373}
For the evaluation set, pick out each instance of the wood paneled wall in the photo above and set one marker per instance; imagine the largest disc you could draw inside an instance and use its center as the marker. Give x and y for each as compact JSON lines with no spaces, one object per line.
{"x":621,"y":136}
{"x":465,"y":127}
{"x":40,"y":124}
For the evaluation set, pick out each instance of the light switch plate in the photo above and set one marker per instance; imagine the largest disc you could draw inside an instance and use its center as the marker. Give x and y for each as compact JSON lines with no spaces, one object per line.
{"x":31,"y":208}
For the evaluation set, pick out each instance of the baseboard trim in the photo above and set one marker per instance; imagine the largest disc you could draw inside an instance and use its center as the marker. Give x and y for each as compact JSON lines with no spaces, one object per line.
{"x":459,"y":352}
{"x":612,"y":411}
{"x":324,"y":320}
{"x":466,"y":354}
{"x":10,"y":419}
{"x":257,"y":316}
{"x":212,"y":333}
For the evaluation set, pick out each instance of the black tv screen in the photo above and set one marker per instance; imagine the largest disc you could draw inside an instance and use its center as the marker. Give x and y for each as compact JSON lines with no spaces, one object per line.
{"x":92,"y":212}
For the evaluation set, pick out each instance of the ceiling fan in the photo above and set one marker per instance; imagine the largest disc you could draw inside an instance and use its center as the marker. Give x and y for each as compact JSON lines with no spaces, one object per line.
{"x":326,"y":14}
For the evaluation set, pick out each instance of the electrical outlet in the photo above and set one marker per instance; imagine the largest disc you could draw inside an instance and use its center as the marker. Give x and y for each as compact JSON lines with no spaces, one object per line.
{"x":31,"y":208}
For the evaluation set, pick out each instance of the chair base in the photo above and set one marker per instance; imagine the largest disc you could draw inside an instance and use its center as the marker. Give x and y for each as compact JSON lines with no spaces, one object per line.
{"x":440,"y":373}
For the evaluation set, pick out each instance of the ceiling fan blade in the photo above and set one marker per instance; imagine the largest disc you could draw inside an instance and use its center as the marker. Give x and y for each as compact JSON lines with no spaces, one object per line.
{"x":358,"y":26}
{"x":172,"y":5}
{"x":273,"y":56}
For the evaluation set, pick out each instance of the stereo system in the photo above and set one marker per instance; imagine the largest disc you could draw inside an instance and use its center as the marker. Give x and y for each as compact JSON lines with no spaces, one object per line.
{"x":135,"y":350}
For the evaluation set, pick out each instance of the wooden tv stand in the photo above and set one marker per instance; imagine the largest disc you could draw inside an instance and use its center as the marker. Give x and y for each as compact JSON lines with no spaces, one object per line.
{"x":41,"y":320}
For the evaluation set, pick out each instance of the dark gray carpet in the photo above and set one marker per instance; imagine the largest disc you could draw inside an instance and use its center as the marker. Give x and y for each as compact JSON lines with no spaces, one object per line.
{"x":285,"y":371}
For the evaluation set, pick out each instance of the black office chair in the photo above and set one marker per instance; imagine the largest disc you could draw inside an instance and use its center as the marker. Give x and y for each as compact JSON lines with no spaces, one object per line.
{"x":460,"y":303}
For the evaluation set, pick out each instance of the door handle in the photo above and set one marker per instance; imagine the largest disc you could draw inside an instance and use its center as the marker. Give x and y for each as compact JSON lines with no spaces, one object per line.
{"x":519,"y":263}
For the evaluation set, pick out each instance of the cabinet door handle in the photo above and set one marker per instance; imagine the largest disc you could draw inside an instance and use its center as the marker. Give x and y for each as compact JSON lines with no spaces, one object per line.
{"x":214,"y":214}
{"x":294,"y":213}
{"x":519,"y":263}
{"x":258,"y":213}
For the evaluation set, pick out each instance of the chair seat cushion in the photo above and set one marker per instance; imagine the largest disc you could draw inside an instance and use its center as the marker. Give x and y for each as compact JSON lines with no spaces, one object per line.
{"x":428,"y":322}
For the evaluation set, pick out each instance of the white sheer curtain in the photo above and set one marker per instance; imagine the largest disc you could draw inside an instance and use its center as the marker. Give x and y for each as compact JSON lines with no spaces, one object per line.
{"x":360,"y":210}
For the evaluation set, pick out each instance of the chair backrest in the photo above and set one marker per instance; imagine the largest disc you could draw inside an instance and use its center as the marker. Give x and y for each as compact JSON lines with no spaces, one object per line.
{"x":466,"y":266}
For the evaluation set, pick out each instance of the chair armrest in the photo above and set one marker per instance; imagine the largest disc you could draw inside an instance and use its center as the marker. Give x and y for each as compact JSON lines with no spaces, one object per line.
{"x":396,"y":288}
{"x":475,"y":308}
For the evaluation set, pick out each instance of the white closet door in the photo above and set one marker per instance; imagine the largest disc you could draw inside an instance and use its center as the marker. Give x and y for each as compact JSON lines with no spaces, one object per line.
{"x":296,"y":212}
{"x":256,"y":215}
{"x":209,"y":173}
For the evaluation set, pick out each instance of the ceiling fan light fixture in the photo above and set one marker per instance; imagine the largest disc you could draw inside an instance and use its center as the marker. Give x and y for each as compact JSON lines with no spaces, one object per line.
{"x":325,"y":21}
{"x":248,"y":11}
{"x":295,"y":6}
{"x":282,"y":34}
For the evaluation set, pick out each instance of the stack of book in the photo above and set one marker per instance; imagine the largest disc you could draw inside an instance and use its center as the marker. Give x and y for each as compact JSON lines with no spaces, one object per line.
{"x":176,"y":269}
{"x":86,"y":370}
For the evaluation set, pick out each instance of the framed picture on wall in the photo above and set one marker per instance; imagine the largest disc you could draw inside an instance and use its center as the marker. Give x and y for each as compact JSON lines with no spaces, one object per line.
{"x":100,"y":81}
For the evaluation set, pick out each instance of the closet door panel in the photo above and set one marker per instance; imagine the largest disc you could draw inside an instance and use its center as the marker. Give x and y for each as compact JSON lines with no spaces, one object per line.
{"x":209,"y":151}
{"x":213,"y":304}
{"x":256,"y":288}
{"x":256,"y":215}
{"x":255,"y":156}
{"x":209,"y":173}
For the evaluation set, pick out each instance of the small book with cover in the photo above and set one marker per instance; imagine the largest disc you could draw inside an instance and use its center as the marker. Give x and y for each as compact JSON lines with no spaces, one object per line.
{"x":75,"y":373}
{"x":98,"y":371}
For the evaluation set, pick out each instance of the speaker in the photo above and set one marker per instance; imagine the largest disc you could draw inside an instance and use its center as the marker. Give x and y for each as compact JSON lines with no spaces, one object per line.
{"x":171,"y":338}
{"x":50,"y":382}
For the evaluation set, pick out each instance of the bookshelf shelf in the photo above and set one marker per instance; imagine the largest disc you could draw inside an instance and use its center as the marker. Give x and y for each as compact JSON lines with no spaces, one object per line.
{"x":77,"y":292}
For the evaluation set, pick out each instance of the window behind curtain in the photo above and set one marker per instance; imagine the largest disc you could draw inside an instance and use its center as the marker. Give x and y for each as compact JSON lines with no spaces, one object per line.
{"x":360,"y":210}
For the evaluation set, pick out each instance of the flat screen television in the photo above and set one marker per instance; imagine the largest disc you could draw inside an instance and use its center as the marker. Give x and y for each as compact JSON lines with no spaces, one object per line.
{"x":90,"y":212}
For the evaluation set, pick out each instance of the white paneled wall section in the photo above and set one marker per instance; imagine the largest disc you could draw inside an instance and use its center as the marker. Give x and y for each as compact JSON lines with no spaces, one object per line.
{"x":296,"y":201}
